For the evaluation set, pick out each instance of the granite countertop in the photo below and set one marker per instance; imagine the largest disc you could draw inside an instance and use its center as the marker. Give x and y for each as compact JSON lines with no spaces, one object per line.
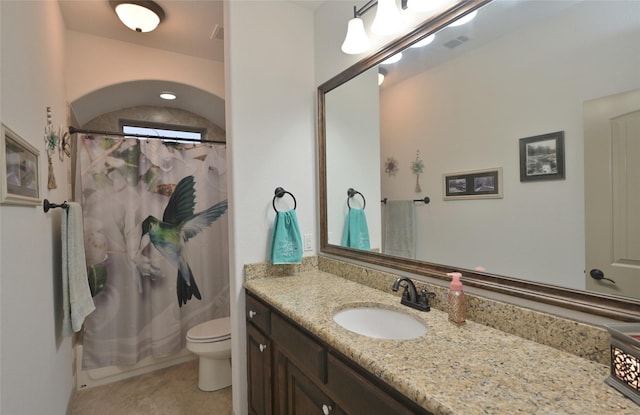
{"x":469,"y":369}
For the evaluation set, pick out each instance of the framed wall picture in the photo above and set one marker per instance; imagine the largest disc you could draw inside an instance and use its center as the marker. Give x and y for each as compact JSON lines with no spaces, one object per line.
{"x":19,"y":174}
{"x":473,"y":184}
{"x":542,"y":157}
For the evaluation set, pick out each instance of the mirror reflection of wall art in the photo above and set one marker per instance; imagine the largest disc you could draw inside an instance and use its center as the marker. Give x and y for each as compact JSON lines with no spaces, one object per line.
{"x":417,"y":167}
{"x":19,"y":175}
{"x":473,"y":184}
{"x":542,"y":157}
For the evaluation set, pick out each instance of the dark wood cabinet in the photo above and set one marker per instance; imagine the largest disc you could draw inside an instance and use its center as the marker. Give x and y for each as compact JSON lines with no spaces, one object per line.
{"x":295,"y":373}
{"x":259,"y":372}
{"x":304,"y":397}
{"x":259,"y":358}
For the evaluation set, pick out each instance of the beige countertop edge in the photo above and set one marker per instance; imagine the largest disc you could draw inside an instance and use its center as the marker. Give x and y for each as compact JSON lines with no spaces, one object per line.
{"x":469,"y":369}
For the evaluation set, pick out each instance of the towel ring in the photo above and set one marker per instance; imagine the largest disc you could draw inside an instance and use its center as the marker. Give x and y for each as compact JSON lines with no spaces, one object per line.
{"x":281,"y":192}
{"x":351,"y":193}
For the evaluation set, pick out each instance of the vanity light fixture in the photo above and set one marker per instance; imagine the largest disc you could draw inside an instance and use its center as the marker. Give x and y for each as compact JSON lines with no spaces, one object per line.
{"x":387,"y":21}
{"x":356,"y":40}
{"x":138,"y":15}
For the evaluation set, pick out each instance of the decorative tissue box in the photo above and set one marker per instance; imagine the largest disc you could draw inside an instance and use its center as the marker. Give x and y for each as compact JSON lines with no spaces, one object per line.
{"x":625,"y":359}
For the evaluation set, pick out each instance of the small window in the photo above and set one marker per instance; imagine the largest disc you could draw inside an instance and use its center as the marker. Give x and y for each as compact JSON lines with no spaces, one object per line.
{"x":161,"y":130}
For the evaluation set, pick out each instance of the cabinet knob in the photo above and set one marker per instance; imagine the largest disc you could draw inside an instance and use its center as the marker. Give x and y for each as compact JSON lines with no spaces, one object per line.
{"x":262,"y":347}
{"x":252,"y":314}
{"x":326,"y":409}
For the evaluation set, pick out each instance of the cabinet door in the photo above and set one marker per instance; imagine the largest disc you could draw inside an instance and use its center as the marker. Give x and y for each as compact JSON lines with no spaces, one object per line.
{"x":305,"y":398}
{"x":259,"y":372}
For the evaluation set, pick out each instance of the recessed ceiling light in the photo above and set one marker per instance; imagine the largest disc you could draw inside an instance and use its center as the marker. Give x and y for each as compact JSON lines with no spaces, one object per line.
{"x":168,"y":95}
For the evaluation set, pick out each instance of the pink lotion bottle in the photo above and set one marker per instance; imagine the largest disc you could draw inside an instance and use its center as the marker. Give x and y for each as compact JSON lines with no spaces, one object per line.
{"x":456,"y":299}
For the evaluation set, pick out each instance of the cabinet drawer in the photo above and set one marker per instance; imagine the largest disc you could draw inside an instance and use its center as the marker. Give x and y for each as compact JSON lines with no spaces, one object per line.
{"x":357,"y":395}
{"x":302,"y":350}
{"x":258,"y":314}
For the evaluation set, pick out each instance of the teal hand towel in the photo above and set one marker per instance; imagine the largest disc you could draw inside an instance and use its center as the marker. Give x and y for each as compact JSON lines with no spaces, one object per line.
{"x":286,"y":244}
{"x":356,"y":232}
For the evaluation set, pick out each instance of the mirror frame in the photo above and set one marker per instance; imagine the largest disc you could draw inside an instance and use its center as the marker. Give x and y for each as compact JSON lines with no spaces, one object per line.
{"x":610,"y":306}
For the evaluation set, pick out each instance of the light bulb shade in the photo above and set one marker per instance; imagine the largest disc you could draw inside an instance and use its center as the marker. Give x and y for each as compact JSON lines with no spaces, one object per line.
{"x":426,"y":5}
{"x":464,"y":19}
{"x":393,"y":59}
{"x":388,"y":20}
{"x":424,"y":42}
{"x":140,"y":16}
{"x":356,"y":40}
{"x":380,"y":78}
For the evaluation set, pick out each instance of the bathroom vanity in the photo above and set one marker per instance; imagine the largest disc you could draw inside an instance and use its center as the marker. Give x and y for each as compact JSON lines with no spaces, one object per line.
{"x":301,"y":361}
{"x":291,"y":371}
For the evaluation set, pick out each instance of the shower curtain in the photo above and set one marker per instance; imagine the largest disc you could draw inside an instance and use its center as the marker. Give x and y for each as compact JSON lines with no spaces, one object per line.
{"x":137,"y":196}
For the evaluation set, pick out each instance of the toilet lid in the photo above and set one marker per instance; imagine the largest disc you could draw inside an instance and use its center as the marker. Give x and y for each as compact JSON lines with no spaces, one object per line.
{"x":211,"y":331}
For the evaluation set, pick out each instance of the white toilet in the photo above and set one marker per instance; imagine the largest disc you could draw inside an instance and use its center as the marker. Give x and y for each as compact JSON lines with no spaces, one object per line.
{"x":211,"y":341}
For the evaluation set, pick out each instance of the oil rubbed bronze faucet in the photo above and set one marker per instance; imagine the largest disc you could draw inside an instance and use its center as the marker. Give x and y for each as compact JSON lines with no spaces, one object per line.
{"x":411,"y":297}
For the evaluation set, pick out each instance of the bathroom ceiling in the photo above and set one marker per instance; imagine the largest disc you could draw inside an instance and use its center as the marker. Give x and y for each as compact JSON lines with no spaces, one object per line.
{"x":186,"y":29}
{"x":191,"y":27}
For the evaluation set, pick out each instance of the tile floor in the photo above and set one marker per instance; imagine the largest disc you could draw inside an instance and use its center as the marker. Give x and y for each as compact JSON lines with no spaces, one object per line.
{"x":170,"y":391}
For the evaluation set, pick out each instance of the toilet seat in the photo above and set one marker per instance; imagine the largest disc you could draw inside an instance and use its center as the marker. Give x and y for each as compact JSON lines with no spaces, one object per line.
{"x":211,"y":331}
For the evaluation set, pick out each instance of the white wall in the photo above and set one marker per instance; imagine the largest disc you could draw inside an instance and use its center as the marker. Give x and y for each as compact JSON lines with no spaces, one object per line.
{"x":271,"y":135}
{"x":36,"y":363}
{"x":131,"y":62}
{"x":479,"y":106}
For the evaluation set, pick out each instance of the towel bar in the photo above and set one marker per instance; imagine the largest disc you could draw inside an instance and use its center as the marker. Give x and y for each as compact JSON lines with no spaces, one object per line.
{"x":426,"y":200}
{"x":351,"y":192}
{"x":46,"y":205}
{"x":280,"y":192}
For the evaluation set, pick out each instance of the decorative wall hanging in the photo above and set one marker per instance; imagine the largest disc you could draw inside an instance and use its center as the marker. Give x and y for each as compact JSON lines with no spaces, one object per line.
{"x":51,"y":143}
{"x":391,"y":166}
{"x":473,"y":184}
{"x":19,"y":176}
{"x":417,"y":167}
{"x":542,"y":157}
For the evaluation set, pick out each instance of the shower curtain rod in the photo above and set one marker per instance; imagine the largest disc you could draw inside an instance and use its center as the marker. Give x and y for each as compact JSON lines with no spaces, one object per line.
{"x":74,"y":130}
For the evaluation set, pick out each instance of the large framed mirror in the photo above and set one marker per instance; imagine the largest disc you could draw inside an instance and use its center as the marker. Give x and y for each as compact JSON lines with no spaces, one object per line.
{"x":503,"y":101}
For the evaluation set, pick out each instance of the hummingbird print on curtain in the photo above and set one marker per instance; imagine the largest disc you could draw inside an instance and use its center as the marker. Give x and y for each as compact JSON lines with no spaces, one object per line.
{"x":179,"y":224}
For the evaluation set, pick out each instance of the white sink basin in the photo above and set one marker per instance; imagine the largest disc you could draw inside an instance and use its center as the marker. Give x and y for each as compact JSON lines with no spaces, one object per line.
{"x":380,"y":323}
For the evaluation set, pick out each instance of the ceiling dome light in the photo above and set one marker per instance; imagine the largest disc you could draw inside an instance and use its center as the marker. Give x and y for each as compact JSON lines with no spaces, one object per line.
{"x":168,"y":95}
{"x":138,"y":15}
{"x":424,"y":42}
{"x":464,"y":19}
{"x":356,"y":40}
{"x":388,"y":20}
{"x":395,"y":58}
